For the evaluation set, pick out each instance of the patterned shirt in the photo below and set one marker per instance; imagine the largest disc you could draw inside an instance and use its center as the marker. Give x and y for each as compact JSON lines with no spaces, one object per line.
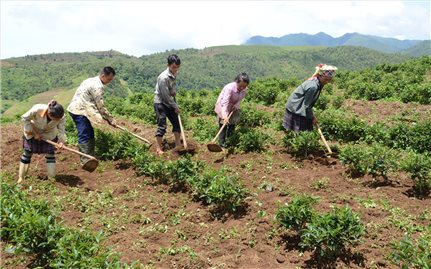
{"x":36,"y":120}
{"x":229,"y":99}
{"x":303,"y":98}
{"x":88,"y":101}
{"x":166,"y":89}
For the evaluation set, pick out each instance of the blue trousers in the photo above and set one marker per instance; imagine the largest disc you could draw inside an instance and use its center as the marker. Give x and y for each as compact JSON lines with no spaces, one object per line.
{"x":85,"y":129}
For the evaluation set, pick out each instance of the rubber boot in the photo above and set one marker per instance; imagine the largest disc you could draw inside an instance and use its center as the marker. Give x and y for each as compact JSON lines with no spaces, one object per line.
{"x":50,"y":169}
{"x":23,"y":169}
{"x":84,"y":148}
{"x":222,"y":137}
{"x":91,"y":147}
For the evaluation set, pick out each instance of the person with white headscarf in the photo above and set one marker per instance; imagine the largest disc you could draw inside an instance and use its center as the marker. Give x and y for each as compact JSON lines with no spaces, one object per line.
{"x":299,"y":114}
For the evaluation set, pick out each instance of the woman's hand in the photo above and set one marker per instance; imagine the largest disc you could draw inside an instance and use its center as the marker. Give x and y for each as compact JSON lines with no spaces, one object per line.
{"x":36,"y":136}
{"x":59,"y":145}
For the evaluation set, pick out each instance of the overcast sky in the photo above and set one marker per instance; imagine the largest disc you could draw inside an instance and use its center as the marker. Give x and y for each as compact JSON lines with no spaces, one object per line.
{"x":145,"y":27}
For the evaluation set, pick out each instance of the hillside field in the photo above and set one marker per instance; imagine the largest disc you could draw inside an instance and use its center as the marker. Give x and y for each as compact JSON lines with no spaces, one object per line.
{"x":274,"y":199}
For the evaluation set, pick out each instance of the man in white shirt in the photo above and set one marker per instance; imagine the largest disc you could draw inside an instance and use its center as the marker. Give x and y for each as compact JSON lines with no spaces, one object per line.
{"x":87,"y":107}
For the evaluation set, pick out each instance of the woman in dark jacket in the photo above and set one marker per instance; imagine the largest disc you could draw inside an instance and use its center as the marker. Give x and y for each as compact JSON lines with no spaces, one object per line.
{"x":299,"y":107}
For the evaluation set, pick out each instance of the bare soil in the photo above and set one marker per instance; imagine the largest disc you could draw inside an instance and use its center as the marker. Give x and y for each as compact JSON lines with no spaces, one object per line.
{"x":144,"y":217}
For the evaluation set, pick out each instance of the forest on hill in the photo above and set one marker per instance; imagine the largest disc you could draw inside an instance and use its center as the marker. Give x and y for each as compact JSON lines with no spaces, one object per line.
{"x":383,"y":44}
{"x":211,"y":67}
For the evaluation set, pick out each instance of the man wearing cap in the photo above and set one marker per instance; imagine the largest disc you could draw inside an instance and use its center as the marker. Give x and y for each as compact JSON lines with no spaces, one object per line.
{"x":299,"y":107}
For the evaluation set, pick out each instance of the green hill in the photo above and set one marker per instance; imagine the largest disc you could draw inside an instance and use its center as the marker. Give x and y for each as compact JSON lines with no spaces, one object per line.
{"x":420,"y":49}
{"x":211,"y":67}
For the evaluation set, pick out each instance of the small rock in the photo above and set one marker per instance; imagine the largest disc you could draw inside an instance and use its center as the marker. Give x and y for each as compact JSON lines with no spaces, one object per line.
{"x":280,"y":258}
{"x":269,"y":188}
{"x":382,"y":263}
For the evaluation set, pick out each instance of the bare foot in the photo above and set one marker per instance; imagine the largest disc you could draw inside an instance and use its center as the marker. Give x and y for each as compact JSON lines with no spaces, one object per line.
{"x":19,"y":180}
{"x":159,"y":152}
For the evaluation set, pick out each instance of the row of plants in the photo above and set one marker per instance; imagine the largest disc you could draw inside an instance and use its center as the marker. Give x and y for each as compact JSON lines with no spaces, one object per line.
{"x":214,"y":187}
{"x":329,"y":235}
{"x":405,"y":82}
{"x":336,"y":125}
{"x":378,"y":161}
{"x":30,"y":226}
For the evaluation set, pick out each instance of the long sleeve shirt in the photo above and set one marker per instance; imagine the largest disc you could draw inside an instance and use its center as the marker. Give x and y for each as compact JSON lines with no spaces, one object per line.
{"x":36,"y":120}
{"x":229,"y":100}
{"x":303,"y":98}
{"x":166,"y":89}
{"x":88,"y":101}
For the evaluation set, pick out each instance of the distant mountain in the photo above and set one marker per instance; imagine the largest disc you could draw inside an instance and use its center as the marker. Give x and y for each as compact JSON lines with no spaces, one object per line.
{"x":420,"y":49}
{"x":378,"y":43}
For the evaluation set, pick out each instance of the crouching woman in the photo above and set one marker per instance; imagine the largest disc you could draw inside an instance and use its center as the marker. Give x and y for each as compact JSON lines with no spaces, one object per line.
{"x":42,"y":122}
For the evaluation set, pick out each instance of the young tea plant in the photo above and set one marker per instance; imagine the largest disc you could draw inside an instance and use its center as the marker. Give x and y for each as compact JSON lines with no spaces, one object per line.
{"x":296,"y":214}
{"x":303,"y":143}
{"x":419,"y":167}
{"x":409,"y":253}
{"x":331,"y":233}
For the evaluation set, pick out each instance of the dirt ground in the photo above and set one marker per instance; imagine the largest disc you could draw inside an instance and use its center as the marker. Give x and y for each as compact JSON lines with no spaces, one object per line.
{"x":164,"y":228}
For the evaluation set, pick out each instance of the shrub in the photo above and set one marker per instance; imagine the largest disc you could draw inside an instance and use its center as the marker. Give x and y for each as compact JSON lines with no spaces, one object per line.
{"x":409,"y":253}
{"x":265,"y":91}
{"x":331,"y":233}
{"x":382,"y":160}
{"x":184,"y":170}
{"x":297,"y":213}
{"x":204,"y":130}
{"x":355,"y":157}
{"x":416,"y":136}
{"x":114,"y":146}
{"x":419,"y":167}
{"x":303,"y":143}
{"x":375,"y":160}
{"x":252,"y":117}
{"x":225,"y":192}
{"x":337,"y":126}
{"x":32,"y":227}
{"x":252,"y":141}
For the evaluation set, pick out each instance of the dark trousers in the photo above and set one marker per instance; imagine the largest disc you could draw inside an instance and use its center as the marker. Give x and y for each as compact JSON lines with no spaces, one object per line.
{"x":85,"y":129}
{"x":163,"y":112}
{"x":226,"y":133}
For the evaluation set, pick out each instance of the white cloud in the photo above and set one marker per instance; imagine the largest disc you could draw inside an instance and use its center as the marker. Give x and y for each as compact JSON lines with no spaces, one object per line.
{"x":143,"y":27}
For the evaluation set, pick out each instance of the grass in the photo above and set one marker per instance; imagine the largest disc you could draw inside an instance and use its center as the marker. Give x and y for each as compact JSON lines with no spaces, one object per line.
{"x":63,"y":96}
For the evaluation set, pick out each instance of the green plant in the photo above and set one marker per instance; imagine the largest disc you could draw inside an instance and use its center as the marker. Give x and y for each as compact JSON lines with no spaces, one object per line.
{"x":355,"y":157}
{"x":331,"y":233}
{"x":225,"y":192}
{"x":320,"y":183}
{"x":31,"y":226}
{"x":419,"y":167}
{"x":252,"y":141}
{"x":410,"y":253}
{"x":297,"y":213}
{"x":381,"y":161}
{"x":303,"y":143}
